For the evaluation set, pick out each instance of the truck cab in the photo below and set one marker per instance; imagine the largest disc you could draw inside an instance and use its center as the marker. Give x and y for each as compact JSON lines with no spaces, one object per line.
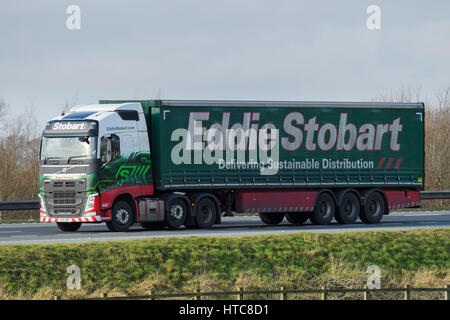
{"x":92,"y":158}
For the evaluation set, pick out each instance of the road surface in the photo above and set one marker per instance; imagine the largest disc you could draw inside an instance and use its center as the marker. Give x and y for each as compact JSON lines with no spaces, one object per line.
{"x":48,"y":233}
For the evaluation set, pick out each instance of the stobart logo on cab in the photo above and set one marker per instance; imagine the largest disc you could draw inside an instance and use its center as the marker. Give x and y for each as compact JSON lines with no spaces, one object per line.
{"x":68,"y":126}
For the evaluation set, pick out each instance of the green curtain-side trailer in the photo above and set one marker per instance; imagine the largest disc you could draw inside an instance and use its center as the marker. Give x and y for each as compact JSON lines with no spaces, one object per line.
{"x":320,"y":145}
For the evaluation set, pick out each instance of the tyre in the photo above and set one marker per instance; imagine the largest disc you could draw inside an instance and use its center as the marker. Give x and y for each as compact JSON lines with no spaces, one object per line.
{"x":324,"y":210}
{"x":121,"y":217}
{"x":349,"y":208}
{"x":152,"y":225}
{"x":176,"y":213}
{"x":373,"y":209}
{"x":206,"y":213}
{"x":297,"y":217}
{"x":271,"y":218}
{"x":68,"y":226}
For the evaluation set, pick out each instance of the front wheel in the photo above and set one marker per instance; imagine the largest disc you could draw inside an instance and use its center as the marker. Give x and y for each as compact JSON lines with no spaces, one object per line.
{"x":68,"y":226}
{"x":121,"y":217}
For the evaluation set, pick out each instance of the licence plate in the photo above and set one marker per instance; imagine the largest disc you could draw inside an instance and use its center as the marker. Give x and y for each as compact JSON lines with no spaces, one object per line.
{"x":64,"y":220}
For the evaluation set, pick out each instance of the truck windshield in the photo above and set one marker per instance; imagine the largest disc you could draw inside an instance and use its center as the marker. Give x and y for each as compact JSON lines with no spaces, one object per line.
{"x":68,"y":147}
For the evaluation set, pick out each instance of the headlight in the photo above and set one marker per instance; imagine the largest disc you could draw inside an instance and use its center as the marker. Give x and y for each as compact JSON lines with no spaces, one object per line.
{"x":91,"y":202}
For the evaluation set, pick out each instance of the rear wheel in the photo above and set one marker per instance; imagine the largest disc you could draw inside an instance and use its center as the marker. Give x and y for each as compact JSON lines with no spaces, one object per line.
{"x":206,"y":213}
{"x":373,"y":209}
{"x":271,"y":218}
{"x":297,"y":217}
{"x":348,"y":210}
{"x":324,"y":210}
{"x":68,"y":226}
{"x":176,"y":213}
{"x":121,"y":217}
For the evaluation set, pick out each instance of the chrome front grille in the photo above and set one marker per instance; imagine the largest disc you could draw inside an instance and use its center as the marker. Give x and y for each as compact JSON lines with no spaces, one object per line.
{"x":64,"y":197}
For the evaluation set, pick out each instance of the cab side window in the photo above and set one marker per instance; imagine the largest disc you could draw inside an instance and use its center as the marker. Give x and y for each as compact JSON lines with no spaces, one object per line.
{"x":104,"y":149}
{"x":109,"y":148}
{"x":115,"y":147}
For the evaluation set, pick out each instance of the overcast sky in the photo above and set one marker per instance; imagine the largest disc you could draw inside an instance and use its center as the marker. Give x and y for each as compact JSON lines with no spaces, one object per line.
{"x":260,"y":50}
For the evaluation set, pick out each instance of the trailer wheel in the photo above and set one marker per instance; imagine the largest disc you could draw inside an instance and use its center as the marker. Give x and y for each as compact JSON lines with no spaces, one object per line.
{"x":349,"y":208}
{"x":324,"y":210}
{"x":205,"y":213}
{"x":373,"y":210}
{"x":271,"y":218}
{"x":121,"y":217}
{"x":297,"y":217}
{"x":68,"y":226}
{"x":176,"y":213}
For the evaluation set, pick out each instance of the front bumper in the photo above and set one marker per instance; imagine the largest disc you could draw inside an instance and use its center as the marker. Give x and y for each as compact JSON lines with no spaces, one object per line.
{"x":105,"y":216}
{"x":81,"y":219}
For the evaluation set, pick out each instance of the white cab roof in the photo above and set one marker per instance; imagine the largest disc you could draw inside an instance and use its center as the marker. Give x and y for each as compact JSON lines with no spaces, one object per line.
{"x":107,"y":107}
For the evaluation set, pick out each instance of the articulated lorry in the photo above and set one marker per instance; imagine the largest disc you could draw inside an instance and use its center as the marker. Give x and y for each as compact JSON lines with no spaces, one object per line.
{"x":176,"y":163}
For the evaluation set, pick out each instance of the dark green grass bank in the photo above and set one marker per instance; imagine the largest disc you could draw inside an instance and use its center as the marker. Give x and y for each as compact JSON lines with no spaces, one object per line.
{"x":171,"y":265}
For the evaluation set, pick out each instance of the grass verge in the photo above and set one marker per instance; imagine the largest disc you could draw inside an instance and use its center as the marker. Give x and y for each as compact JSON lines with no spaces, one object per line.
{"x":307,"y":260}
